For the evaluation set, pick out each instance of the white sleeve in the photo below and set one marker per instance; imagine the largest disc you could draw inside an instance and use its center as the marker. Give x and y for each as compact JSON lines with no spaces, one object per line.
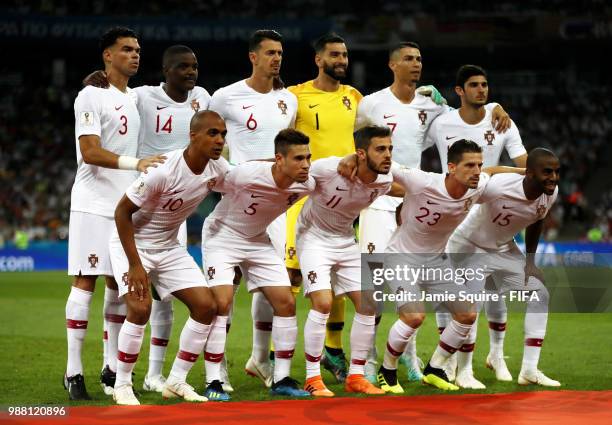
{"x":231,"y":180}
{"x":217,"y":103}
{"x":87,"y":111}
{"x":513,"y":142}
{"x":146,"y":186}
{"x":412,"y":180}
{"x":364,"y":109}
{"x":488,"y":191}
{"x":324,"y":169}
{"x":294,"y":108}
{"x":203,"y":98}
{"x":431,"y":135}
{"x":490,"y":106}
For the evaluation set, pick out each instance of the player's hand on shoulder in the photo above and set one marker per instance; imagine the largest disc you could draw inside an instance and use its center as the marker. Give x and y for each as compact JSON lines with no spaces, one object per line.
{"x":96,"y":79}
{"x":433,"y":93}
{"x":138,"y":282}
{"x":500,"y":119}
{"x":347,"y":167}
{"x":150,"y":161}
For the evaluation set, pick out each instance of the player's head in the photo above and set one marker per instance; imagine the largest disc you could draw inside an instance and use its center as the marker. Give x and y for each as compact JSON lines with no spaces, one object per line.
{"x":266,"y":52}
{"x":543,"y":169}
{"x":180,"y":67}
{"x":292,"y":154}
{"x":465,"y":162}
{"x":331,"y":55}
{"x":471,"y":85}
{"x":405,"y":62}
{"x":120,"y":51}
{"x":207,"y":133}
{"x":373,"y":147}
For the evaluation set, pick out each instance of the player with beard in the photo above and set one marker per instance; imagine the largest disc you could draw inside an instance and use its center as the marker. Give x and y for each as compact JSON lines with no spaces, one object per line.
{"x":409,"y":114}
{"x":326,"y":114}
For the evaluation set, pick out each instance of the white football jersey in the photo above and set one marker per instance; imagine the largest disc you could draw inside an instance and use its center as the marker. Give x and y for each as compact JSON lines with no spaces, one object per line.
{"x":504,"y":212}
{"x":252,"y":200}
{"x":164,"y":122}
{"x":167,"y":195}
{"x":330,"y":211}
{"x":449,"y":128}
{"x":253,"y":119}
{"x":111,"y":115}
{"x":430,"y":214}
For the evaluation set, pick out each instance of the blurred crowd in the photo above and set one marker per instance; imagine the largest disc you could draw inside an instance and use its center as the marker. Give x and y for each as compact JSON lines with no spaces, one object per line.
{"x":37,"y":158}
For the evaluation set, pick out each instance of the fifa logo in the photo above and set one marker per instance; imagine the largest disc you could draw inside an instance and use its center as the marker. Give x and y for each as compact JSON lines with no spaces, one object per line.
{"x":422,"y":116}
{"x":346,"y":102}
{"x":93,"y":260}
{"x":282,"y":106}
{"x":312,"y":276}
{"x":489,"y":137}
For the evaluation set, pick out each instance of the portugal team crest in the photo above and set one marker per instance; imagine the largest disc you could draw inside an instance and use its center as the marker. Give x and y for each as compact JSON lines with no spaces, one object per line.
{"x":282,"y":106}
{"x":291,"y":252}
{"x":195,"y":105}
{"x":211,"y":183}
{"x":312,"y":276}
{"x":541,"y":211}
{"x":373,"y":195}
{"x":422,"y":116}
{"x":125,"y":279}
{"x":371,"y":247}
{"x":489,"y":137}
{"x":211,"y":272}
{"x":468,"y":203}
{"x":93,"y":260}
{"x":346,"y":102}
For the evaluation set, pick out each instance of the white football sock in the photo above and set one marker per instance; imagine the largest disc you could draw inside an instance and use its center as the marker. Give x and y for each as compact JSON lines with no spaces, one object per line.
{"x":262,"y":313}
{"x":191,"y":344}
{"x":129,"y":343}
{"x":77,"y":314}
{"x":314,"y":339}
{"x":114,"y":311}
{"x":399,"y":334}
{"x":284,"y":336}
{"x":162,"y":316}
{"x":215,"y":349}
{"x":362,"y":337}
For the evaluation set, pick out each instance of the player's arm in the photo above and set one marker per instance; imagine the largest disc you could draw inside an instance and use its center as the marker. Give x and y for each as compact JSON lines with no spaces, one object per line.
{"x":532,"y":238}
{"x":138,"y":281}
{"x":500,"y":119}
{"x":396,"y":190}
{"x":94,"y":154}
{"x":347,"y":167}
{"x":520,"y":161}
{"x":96,"y":79}
{"x":499,"y":169}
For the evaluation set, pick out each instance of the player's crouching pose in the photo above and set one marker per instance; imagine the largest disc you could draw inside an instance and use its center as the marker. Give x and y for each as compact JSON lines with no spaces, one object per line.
{"x":255,"y":193}
{"x":511,"y":203}
{"x":148,"y":218}
{"x":326,"y":246}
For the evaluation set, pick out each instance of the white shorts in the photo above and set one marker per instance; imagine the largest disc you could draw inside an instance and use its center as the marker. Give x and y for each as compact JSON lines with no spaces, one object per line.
{"x":259,"y":261}
{"x":182,"y":234}
{"x":375,"y":229}
{"x":88,"y":236}
{"x":319,"y":267}
{"x":506,"y":268}
{"x":169,"y":270}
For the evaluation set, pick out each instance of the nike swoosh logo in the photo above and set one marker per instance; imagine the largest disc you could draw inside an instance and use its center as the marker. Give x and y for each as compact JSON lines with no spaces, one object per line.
{"x":159,"y":108}
{"x":247,"y":107}
{"x":452,"y":137}
{"x":506,"y":208}
{"x":432,"y":203}
{"x":80,"y":325}
{"x":118,"y":107}
{"x":178,"y":191}
{"x":341,"y":189}
{"x":256,"y":196}
{"x":388,"y":116}
{"x":313,"y":106}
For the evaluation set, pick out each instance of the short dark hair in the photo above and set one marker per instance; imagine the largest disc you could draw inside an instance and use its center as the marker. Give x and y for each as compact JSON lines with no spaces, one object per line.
{"x":111,"y":36}
{"x":331,"y":37}
{"x":289,"y":137}
{"x":401,"y":45}
{"x":465,"y":72}
{"x":260,"y":35}
{"x":196,"y":120}
{"x":172,"y":51}
{"x":363,"y":136}
{"x":537,"y":154}
{"x":457,"y":149}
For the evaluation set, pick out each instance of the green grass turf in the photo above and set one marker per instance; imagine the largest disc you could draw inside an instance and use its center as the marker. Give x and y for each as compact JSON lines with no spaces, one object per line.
{"x":33,"y":355}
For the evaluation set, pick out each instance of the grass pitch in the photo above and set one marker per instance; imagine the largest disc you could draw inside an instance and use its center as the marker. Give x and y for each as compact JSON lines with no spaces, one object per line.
{"x":577,"y":349}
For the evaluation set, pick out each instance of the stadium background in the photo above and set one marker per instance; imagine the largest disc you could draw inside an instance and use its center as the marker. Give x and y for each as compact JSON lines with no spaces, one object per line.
{"x":545,"y":63}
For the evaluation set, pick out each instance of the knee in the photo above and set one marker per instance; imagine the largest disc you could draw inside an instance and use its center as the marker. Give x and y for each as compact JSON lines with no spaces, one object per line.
{"x":285,"y":305}
{"x":204,"y":310}
{"x":139,"y":312}
{"x":222,"y":305}
{"x":322,"y":306}
{"x":414,"y":320}
{"x":466,"y":318}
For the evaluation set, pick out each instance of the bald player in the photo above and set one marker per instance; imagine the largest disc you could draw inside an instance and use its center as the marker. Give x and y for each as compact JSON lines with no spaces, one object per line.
{"x":145,"y":251}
